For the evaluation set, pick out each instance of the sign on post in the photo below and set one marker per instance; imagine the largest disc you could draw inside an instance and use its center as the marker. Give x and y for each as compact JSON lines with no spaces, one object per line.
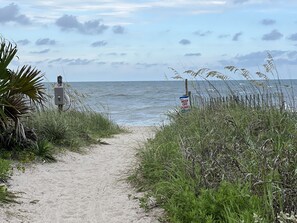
{"x":185,"y":103}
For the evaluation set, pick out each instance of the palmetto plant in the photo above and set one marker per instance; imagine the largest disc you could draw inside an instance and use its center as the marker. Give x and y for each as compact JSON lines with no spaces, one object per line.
{"x":19,"y":90}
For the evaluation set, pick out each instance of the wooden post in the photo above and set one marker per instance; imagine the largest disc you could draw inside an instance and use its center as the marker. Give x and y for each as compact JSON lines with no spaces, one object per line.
{"x":186,"y":87}
{"x":60,"y":108}
{"x":190,"y":97}
{"x":188,"y":93}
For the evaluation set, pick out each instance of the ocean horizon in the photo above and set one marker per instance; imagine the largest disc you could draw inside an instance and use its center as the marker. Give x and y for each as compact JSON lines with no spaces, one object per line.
{"x":147,"y":103}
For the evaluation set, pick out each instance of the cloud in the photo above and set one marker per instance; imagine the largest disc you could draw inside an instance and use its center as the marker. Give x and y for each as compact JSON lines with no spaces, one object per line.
{"x":118,"y":29}
{"x":240,"y":1}
{"x":255,"y":59}
{"x":268,"y":22}
{"x":40,"y":52}
{"x":202,"y":34}
{"x":185,"y":42}
{"x":273,"y":35}
{"x":192,"y":54}
{"x":55,"y":60}
{"x":293,"y":37}
{"x":91,"y":27}
{"x":77,"y":61}
{"x":23,"y":42}
{"x":260,"y":55}
{"x":68,"y":22}
{"x":80,"y":62}
{"x":150,"y":65}
{"x":101,"y":63}
{"x":117,"y":64}
{"x":99,"y":43}
{"x":111,"y":54}
{"x":10,"y":13}
{"x":222,"y":36}
{"x":292,"y":54}
{"x":127,"y":8}
{"x":236,"y":36}
{"x":45,"y":41}
{"x":116,"y":54}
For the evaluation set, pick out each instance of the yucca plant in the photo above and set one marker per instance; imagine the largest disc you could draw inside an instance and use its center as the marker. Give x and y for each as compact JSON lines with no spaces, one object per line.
{"x":19,"y":90}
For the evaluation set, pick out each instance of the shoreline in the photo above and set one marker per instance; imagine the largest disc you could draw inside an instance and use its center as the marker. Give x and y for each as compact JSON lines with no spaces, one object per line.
{"x":88,"y":187}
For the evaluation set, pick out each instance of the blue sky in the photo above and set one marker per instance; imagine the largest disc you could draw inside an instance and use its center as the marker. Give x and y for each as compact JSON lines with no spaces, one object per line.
{"x":115,"y":40}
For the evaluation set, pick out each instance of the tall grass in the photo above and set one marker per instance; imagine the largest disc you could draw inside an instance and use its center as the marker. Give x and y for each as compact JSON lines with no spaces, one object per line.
{"x":223,"y":164}
{"x":71,"y":129}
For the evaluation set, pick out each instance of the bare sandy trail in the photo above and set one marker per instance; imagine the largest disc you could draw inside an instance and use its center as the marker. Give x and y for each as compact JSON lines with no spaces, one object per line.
{"x":81,"y":188}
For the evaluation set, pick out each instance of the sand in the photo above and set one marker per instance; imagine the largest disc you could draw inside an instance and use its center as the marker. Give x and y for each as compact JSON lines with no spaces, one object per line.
{"x":82,"y":188}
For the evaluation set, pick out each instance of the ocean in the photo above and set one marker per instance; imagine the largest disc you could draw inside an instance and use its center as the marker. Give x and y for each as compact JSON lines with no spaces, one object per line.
{"x":146,"y":103}
{"x":132,"y":103}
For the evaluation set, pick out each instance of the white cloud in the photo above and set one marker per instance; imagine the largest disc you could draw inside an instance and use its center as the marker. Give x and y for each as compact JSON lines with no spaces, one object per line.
{"x":119,"y":9}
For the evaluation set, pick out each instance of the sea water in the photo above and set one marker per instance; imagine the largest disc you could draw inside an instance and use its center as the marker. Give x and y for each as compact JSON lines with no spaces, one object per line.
{"x":133,"y":103}
{"x":146,"y":103}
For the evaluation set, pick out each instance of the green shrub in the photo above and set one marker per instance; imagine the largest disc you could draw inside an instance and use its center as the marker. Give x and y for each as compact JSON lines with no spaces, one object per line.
{"x":4,"y":169}
{"x":44,"y":151}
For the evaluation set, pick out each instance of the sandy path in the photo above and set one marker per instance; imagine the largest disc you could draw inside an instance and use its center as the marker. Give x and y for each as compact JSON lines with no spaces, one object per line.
{"x":81,"y":188}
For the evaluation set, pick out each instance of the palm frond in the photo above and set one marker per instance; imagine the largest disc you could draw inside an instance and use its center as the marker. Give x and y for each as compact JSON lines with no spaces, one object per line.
{"x":28,"y":81}
{"x":17,"y":90}
{"x":7,"y":53}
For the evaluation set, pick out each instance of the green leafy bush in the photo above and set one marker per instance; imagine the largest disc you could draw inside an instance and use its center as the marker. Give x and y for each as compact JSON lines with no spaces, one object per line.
{"x":44,"y":150}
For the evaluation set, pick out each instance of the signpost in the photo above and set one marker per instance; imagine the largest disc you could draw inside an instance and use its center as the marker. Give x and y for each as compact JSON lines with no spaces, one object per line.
{"x":59,"y":94}
{"x":186,"y":99}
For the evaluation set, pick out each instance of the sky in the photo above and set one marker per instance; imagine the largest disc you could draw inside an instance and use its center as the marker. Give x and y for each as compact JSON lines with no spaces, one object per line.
{"x":132,"y":40}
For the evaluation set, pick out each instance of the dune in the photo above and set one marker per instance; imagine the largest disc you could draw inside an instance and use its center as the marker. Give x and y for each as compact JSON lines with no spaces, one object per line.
{"x":82,"y":188}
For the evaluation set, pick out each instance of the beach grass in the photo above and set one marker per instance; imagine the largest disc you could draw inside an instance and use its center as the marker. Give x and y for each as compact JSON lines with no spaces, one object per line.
{"x":72,"y":129}
{"x":233,"y":164}
{"x":55,"y":132}
{"x":228,"y":162}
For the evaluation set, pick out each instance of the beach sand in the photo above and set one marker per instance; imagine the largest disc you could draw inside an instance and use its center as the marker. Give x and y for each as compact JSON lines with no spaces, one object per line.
{"x":82,"y":188}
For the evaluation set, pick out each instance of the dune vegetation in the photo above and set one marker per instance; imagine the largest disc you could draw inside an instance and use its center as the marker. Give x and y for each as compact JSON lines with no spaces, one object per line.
{"x":31,"y":129}
{"x":223,"y":162}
